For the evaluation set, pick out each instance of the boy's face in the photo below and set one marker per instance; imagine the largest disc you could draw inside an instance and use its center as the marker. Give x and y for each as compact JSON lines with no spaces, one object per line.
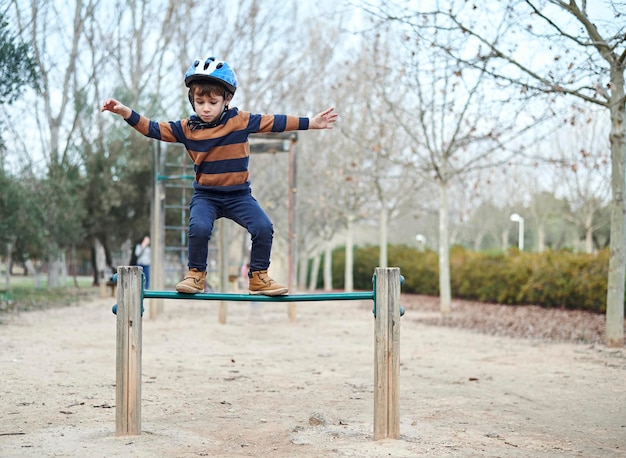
{"x":209,"y":105}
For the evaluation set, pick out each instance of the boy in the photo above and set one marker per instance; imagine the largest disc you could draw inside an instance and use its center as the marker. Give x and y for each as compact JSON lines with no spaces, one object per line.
{"x":216,"y":139}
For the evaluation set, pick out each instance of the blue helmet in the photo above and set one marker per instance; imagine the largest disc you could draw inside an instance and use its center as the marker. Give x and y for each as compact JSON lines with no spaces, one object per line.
{"x":211,"y":70}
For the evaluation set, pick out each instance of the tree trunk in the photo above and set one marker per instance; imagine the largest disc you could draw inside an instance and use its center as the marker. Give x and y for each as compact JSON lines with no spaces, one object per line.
{"x":7,"y":278}
{"x":541,"y":238}
{"x":444,"y":251}
{"x":55,"y":270}
{"x":62,"y":269}
{"x":588,"y":240}
{"x":349,"y":264}
{"x":302,"y":272}
{"x":382,"y":254}
{"x":328,"y":267}
{"x":74,"y":267}
{"x":315,"y":268}
{"x":505,"y":239}
{"x":31,"y":268}
{"x":478,"y":241}
{"x":100,"y":261}
{"x":617,"y":266}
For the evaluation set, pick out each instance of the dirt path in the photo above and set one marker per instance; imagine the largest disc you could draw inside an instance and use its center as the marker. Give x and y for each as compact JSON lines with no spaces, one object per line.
{"x":251,"y":387}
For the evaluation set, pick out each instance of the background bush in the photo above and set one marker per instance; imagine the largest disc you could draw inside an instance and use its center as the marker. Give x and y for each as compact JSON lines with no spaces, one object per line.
{"x":559,"y":279}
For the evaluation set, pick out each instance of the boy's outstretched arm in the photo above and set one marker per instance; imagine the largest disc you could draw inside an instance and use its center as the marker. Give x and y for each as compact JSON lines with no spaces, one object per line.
{"x":323,"y":120}
{"x":116,"y":107}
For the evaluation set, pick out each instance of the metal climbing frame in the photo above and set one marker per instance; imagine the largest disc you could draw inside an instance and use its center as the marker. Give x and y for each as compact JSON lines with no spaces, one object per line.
{"x":173,"y":183}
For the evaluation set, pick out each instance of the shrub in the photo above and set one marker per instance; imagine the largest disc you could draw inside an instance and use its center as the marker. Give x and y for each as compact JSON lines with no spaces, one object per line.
{"x":551,"y":279}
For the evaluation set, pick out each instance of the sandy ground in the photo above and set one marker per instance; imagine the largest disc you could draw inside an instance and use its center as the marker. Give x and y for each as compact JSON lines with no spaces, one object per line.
{"x":264,"y":386}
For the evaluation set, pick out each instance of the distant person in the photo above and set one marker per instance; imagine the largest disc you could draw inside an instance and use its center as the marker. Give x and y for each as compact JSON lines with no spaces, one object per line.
{"x":143,"y":255}
{"x":243,"y":273}
{"x":216,"y":139}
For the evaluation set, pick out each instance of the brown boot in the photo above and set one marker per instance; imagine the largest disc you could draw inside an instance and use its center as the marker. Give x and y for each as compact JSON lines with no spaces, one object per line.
{"x":261,"y":283}
{"x":192,"y":283}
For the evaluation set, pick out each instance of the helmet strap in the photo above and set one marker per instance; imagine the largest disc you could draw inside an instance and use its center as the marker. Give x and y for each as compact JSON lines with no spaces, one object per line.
{"x":195,"y":124}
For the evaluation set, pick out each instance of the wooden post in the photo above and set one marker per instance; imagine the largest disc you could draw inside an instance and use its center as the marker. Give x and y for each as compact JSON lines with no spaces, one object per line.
{"x":387,"y":354}
{"x":128,"y":364}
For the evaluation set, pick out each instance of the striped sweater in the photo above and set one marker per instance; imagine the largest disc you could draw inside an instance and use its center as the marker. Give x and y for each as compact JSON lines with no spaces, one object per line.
{"x":220,"y":154}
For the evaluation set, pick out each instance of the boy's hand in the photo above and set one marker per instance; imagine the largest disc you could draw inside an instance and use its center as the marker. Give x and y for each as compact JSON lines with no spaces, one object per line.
{"x":323,"y":120}
{"x":116,"y":107}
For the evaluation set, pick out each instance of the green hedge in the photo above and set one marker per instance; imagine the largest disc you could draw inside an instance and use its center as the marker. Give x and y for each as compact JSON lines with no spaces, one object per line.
{"x":560,"y":279}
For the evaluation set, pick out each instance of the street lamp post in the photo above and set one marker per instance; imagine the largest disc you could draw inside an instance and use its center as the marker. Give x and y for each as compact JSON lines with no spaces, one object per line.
{"x":518,"y":219}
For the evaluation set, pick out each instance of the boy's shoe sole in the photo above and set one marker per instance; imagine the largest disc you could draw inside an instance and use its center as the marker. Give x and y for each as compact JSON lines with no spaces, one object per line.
{"x":271,"y":292}
{"x":187,"y":290}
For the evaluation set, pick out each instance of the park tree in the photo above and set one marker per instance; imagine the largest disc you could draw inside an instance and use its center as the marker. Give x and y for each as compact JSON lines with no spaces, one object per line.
{"x":456,"y":120}
{"x":10,"y":209}
{"x":488,"y":226}
{"x":266,"y":82}
{"x":336,"y":194}
{"x":22,"y":215}
{"x":327,"y":192}
{"x":582,"y":169}
{"x":58,"y":62}
{"x":482,"y":203}
{"x":547,"y":213}
{"x":17,"y":66}
{"x":142,"y":62}
{"x":17,"y":71}
{"x":582,"y":57}
{"x":382,"y":148}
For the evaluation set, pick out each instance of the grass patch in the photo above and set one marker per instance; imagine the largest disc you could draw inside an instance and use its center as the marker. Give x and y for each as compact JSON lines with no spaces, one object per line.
{"x":26,"y":282}
{"x":21,"y":299}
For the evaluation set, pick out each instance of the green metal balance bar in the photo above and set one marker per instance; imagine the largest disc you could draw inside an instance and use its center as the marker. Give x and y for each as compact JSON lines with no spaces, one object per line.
{"x":369,"y":295}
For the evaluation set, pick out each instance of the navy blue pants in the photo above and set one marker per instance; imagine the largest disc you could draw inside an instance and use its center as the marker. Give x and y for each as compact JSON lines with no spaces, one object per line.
{"x":240,"y":207}
{"x":146,"y":274}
